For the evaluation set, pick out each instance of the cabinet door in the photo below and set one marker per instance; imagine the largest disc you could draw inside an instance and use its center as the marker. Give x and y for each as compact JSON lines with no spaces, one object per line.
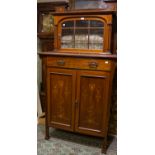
{"x":61,"y":98}
{"x":92,"y":102}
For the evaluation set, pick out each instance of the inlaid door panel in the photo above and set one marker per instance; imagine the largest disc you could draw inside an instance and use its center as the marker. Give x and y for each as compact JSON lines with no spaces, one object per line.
{"x":92,"y":100}
{"x":61,"y":97}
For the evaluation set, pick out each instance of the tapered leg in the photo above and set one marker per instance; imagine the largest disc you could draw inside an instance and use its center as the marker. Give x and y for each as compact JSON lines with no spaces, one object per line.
{"x":46,"y":132}
{"x":46,"y":124}
{"x":104,"y":145}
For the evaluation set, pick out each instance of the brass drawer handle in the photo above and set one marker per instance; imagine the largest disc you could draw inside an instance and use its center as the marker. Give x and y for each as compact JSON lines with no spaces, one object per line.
{"x":93,"y":65}
{"x":61,"y":62}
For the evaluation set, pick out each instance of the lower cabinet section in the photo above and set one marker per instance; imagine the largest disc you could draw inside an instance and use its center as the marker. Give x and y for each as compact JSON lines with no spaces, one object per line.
{"x":78,"y":100}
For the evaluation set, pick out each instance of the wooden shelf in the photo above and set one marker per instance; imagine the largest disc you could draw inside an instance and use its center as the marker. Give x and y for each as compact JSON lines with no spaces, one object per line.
{"x":74,"y":54}
{"x":44,"y":35}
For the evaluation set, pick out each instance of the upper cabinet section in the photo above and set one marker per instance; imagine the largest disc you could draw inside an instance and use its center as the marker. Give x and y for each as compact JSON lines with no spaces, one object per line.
{"x":83,"y":33}
{"x":89,"y":28}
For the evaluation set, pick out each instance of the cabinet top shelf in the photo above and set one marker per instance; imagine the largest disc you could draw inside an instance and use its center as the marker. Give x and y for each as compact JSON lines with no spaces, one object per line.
{"x":86,"y":12}
{"x":77,"y":54}
{"x":111,"y":9}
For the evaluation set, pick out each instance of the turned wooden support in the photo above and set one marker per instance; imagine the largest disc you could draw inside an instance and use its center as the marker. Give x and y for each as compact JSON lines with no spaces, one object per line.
{"x":47,"y":133}
{"x":104,"y":145}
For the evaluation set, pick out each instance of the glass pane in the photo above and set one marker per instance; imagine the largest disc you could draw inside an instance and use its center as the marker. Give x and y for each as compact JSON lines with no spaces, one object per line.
{"x":68,"y":24}
{"x":96,"y":23}
{"x":82,"y":34}
{"x":67,"y":38}
{"x":96,"y":39}
{"x":47,"y":23}
{"x":81,"y":23}
{"x":81,"y":38}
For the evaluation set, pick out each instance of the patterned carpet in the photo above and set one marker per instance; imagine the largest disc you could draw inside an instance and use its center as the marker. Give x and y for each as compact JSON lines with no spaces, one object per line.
{"x":67,"y":143}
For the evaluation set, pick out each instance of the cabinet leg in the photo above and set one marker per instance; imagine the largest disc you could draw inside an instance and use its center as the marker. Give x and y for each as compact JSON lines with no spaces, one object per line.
{"x":47,"y":133}
{"x":104,"y":145}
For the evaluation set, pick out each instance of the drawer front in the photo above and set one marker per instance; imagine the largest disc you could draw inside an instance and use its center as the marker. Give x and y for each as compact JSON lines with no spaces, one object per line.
{"x":79,"y":63}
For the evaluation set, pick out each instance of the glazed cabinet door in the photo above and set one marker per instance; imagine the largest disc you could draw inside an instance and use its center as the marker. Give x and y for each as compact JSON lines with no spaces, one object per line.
{"x":91,"y":102}
{"x":61,"y":98}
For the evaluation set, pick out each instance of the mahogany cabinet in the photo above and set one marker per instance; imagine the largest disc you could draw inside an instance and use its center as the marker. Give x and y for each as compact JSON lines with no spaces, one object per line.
{"x":78,"y":91}
{"x":79,"y":72}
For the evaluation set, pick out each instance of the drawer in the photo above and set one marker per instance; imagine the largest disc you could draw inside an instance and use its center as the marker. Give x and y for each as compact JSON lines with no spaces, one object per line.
{"x":79,"y":63}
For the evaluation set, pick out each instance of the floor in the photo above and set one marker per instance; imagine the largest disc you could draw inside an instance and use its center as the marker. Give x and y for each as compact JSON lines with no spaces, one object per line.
{"x":67,"y":143}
